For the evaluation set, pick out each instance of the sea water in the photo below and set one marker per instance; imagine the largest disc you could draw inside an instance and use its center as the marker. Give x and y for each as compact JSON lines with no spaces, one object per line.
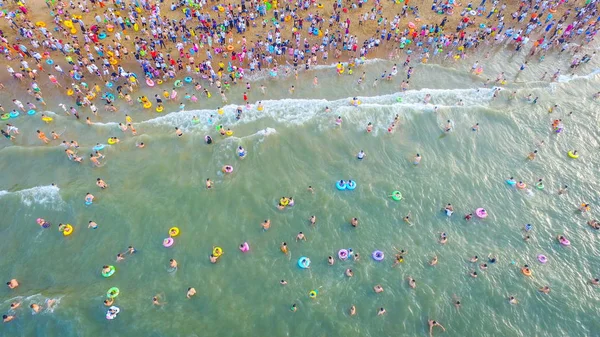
{"x":291,"y":144}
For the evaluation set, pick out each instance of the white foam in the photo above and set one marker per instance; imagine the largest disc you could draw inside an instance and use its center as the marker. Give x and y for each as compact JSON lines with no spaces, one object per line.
{"x":569,"y":78}
{"x":301,"y":111}
{"x":43,"y":195}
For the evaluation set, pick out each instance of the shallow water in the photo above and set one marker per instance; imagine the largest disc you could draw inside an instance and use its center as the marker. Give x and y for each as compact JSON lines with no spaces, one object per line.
{"x":293,"y":143}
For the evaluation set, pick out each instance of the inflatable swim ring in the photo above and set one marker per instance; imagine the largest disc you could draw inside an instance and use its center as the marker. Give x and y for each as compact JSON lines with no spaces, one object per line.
{"x":49,"y":62}
{"x":112,"y":292}
{"x":47,"y":119}
{"x":4,"y":117}
{"x":572,"y":155}
{"x":149,"y":82}
{"x":521,"y":185}
{"x":147,"y":105}
{"x":304,"y":262}
{"x":539,"y":185}
{"x":111,"y":141}
{"x":542,"y":258}
{"x":14,"y":114}
{"x":245,"y":247}
{"x":229,"y":133}
{"x":227,"y":169}
{"x":68,"y":230}
{"x":188,"y":79}
{"x":98,"y":147}
{"x":351,"y":185}
{"x":110,"y":272}
{"x":564,"y":241}
{"x":377,"y":255}
{"x":102,"y":36}
{"x":313,"y":294}
{"x":173,"y":232}
{"x":159,"y":108}
{"x":217,"y":251}
{"x":178,"y":84}
{"x":481,"y":213}
{"x":31,"y":112}
{"x":526,"y":271}
{"x":396,"y":195}
{"x":341,"y":185}
{"x":343,"y":254}
{"x":168,"y":242}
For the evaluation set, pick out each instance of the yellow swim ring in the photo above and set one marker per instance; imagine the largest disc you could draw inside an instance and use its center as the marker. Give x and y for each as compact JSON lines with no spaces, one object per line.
{"x":40,"y":24}
{"x":284,"y":202}
{"x":159,"y":82}
{"x":70,"y":92}
{"x":68,"y":23}
{"x":68,"y":230}
{"x":111,"y":141}
{"x":572,"y":155}
{"x":173,"y":232}
{"x":218,"y":251}
{"x":47,"y":119}
{"x":220,"y":111}
{"x":229,"y":133}
{"x":147,"y":105}
{"x":159,"y":108}
{"x":112,"y":61}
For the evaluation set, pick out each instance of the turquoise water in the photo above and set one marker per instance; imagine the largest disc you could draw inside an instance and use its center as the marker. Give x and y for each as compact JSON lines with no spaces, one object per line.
{"x":292,"y":144}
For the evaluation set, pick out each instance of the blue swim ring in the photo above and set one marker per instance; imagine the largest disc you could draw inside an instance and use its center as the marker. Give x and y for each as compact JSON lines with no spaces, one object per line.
{"x":511,"y":182}
{"x":304,"y":262}
{"x":49,"y":61}
{"x":87,"y":203}
{"x":102,"y":36}
{"x":109,"y":84}
{"x":351,"y":185}
{"x":31,"y":112}
{"x":188,"y":79}
{"x":98,"y":147}
{"x":77,"y":76}
{"x":14,"y":114}
{"x":341,"y":185}
{"x":210,"y":121}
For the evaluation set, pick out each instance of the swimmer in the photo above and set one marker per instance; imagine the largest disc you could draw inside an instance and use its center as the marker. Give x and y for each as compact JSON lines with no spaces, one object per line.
{"x":474,"y":259}
{"x":417,"y":159}
{"x":473,"y":274}
{"x":109,"y":301}
{"x":352,"y":310}
{"x":294,"y":307}
{"x":483,"y":266}
{"x":532,"y":155}
{"x":173,"y":263}
{"x":354,"y":222}
{"x":432,"y":324}
{"x":595,"y":281}
{"x":131,"y":250}
{"x":15,"y":305}
{"x":349,"y":272}
{"x":361,"y":155}
{"x":92,"y":225}
{"x":378,"y":289}
{"x":433,"y":261}
{"x":284,"y":248}
{"x":35,"y":308}
{"x":356,"y":257}
{"x":512,"y":300}
{"x":12,"y":284}
{"x":443,"y":238}
{"x":544,"y":289}
{"x":101,"y":183}
{"x":190,"y":292}
{"x":155,"y":301}
{"x":407,"y":219}
{"x":312,"y":220}
{"x":338,"y":121}
{"x":266,"y":225}
{"x":300,"y":237}
{"x":412,"y":283}
{"x":475,"y":127}
{"x":7,"y":318}
{"x":562,"y":190}
{"x":213,"y":259}
{"x":140,"y":145}
{"x":369,"y":127}
{"x":468,"y":216}
{"x":381,"y":312}
{"x":330,"y":260}
{"x":89,"y":197}
{"x":178,"y":132}
{"x":311,"y":190}
{"x":456,"y":302}
{"x":120,"y":257}
{"x":283,"y":282}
